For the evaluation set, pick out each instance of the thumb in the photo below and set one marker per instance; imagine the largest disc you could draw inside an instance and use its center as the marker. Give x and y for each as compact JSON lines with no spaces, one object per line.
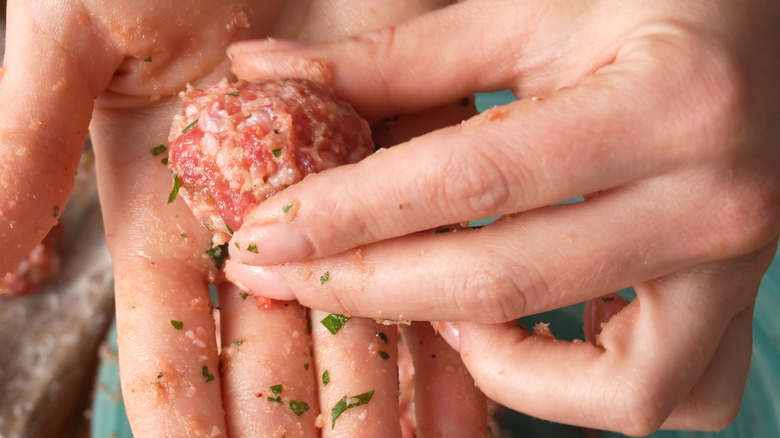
{"x":54,"y":66}
{"x":440,"y":57}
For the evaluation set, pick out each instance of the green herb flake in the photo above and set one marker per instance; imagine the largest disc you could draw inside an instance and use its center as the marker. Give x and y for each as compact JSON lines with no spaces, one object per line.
{"x":148,"y":59}
{"x":276,"y":389}
{"x":325,"y":277}
{"x":252,"y":248}
{"x":177,"y":324}
{"x":298,"y":407}
{"x":342,"y":405}
{"x":238,"y":342}
{"x":385,"y":355}
{"x":206,"y":374}
{"x":190,"y":126}
{"x":164,"y":161}
{"x":334,"y":322}
{"x":382,"y":337}
{"x":277,"y":153}
{"x":287,"y":207}
{"x":218,"y":254}
{"x":443,"y":230}
{"x":234,"y":94}
{"x":276,"y":399}
{"x":230,"y":230}
{"x":175,"y":190}
{"x":306,"y":366}
{"x":157,"y":150}
{"x":243,"y":295}
{"x":325,"y":377}
{"x":56,"y":211}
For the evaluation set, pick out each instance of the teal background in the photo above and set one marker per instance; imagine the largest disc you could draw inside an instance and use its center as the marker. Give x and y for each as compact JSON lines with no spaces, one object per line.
{"x":758,"y":418}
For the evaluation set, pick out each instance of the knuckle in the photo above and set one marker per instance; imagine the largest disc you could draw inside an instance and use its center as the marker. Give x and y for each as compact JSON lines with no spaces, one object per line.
{"x":641,"y":416}
{"x":475,"y":185}
{"x":487,"y":292}
{"x":748,"y":213}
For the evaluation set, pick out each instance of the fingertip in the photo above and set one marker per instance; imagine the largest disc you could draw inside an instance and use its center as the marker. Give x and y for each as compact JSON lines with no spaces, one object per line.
{"x":258,"y":281}
{"x":449,"y":331}
{"x":271,"y":57}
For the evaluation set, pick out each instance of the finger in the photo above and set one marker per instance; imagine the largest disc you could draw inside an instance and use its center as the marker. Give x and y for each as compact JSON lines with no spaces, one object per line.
{"x":458,"y":50}
{"x":483,"y":168}
{"x":167,"y":350}
{"x":357,"y":364}
{"x":53,"y":68}
{"x":159,"y":255}
{"x":522,"y":264}
{"x":653,"y":354}
{"x":267,"y":367}
{"x":446,"y":400}
{"x":714,"y":401}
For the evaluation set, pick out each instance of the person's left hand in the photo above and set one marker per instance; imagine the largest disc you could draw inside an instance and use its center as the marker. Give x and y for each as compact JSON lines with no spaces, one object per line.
{"x":663,"y":115}
{"x":117,"y":67}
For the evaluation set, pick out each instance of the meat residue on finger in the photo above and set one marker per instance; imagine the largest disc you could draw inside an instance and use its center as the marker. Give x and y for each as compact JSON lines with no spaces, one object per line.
{"x":41,"y":264}
{"x":597,"y":312}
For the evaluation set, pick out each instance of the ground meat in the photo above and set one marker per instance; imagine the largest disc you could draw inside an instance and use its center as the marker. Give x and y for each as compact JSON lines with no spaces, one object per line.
{"x":42,"y":264}
{"x":234,"y":144}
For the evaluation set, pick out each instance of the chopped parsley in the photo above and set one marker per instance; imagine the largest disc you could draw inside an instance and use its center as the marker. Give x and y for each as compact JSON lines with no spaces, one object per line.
{"x":243,"y":295}
{"x":287,"y":207}
{"x":334,"y":322}
{"x":443,"y":230}
{"x":342,"y":405}
{"x":218,"y":254}
{"x":177,"y":324}
{"x":234,"y":94}
{"x":230,"y":230}
{"x":325,"y":377}
{"x":238,"y":342}
{"x":164,"y":161}
{"x":306,"y":366}
{"x":298,"y":407}
{"x":148,"y":59}
{"x":276,"y":390}
{"x":277,"y":153}
{"x":382,"y":337}
{"x":190,"y":126}
{"x":206,"y":374}
{"x":325,"y":277}
{"x":56,"y":211}
{"x":252,"y":248}
{"x":385,"y":355}
{"x":175,"y":190}
{"x":157,"y":150}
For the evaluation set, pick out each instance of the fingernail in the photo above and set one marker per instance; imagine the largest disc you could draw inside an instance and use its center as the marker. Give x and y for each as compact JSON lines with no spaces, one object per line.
{"x":258,"y":281}
{"x":267,"y":44}
{"x":450,"y":332}
{"x":269,"y":244}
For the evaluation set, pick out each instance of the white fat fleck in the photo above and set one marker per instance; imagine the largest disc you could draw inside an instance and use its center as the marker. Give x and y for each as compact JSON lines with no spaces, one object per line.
{"x":363,"y":415}
{"x":284,"y":177}
{"x":210,"y":145}
{"x":197,"y":337}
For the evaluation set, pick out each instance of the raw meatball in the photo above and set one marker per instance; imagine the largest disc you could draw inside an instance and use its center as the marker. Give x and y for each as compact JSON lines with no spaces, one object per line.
{"x":234,"y":144}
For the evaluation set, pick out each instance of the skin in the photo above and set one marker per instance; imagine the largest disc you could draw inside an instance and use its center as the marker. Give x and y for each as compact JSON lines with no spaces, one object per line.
{"x":662,"y":114}
{"x":115,"y":68}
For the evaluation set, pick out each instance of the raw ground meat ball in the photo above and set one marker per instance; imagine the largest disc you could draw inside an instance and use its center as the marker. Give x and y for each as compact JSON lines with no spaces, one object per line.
{"x":234,"y":144}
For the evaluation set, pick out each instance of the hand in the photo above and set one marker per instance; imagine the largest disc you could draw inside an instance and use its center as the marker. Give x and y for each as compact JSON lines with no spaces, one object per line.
{"x":118,"y":66}
{"x":662,"y":115}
